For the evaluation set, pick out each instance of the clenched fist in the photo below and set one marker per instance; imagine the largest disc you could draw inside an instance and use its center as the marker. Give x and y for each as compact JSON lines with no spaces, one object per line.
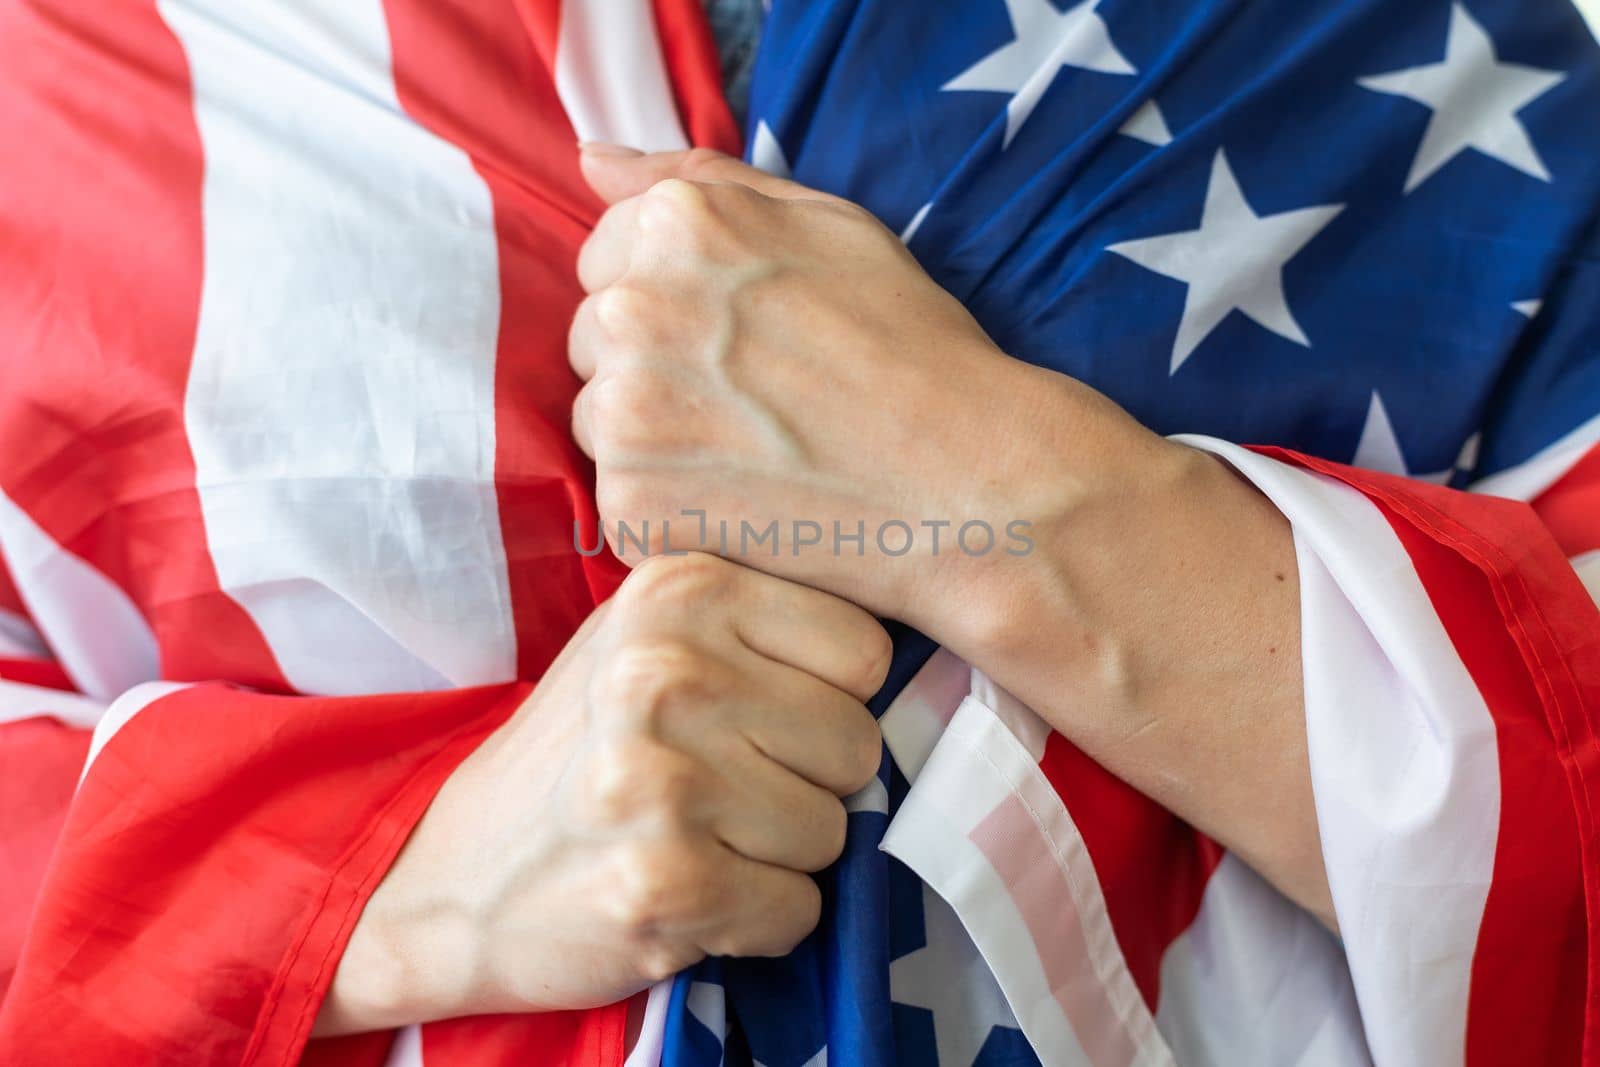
{"x":664,"y":794}
{"x":759,"y":353}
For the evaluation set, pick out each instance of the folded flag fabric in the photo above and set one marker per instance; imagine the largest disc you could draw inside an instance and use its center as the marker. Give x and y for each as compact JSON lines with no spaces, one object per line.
{"x":287,"y":501}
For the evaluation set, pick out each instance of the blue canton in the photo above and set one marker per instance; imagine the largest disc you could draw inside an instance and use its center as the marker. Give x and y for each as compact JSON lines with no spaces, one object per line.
{"x":1279,"y":224}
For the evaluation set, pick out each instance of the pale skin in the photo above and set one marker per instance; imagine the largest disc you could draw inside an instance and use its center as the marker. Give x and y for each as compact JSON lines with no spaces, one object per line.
{"x":757,"y":350}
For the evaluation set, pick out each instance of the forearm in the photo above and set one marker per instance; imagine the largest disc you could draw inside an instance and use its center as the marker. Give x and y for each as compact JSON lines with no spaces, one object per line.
{"x":1156,"y":624}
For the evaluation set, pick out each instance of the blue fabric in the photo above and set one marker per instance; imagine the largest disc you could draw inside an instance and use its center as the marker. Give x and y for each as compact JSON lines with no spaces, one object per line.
{"x":1408,"y":296}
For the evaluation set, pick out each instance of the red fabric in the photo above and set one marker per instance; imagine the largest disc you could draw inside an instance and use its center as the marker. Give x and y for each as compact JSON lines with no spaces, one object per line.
{"x":1529,"y":633}
{"x":222,"y":845}
{"x":1570,"y":509}
{"x":44,"y":673}
{"x":213,"y":865}
{"x":691,"y":54}
{"x":110,"y":477}
{"x":1152,"y":866}
{"x":39,"y":764}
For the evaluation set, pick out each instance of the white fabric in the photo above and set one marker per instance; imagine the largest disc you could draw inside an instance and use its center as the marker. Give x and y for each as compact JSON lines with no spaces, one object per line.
{"x":1588,"y":568}
{"x":18,"y":701}
{"x":344,"y":458}
{"x":611,"y":77}
{"x":1404,"y":765}
{"x":1251,"y":954}
{"x":977,"y":766}
{"x":100,"y":638}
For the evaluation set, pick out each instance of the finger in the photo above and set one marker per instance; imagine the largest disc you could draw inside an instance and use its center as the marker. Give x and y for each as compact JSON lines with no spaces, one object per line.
{"x":806,"y":725}
{"x":768,"y":813}
{"x":770,"y":910}
{"x":617,"y":175}
{"x":582,"y":430}
{"x":815,"y":632}
{"x":586,"y":340}
{"x":608,"y":251}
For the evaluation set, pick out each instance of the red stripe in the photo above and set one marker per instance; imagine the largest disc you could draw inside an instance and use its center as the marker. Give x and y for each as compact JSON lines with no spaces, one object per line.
{"x":1524,"y":627}
{"x":468,"y":70}
{"x":213,"y":865}
{"x":480,"y":75}
{"x":99,"y":299}
{"x":695,"y":72}
{"x":1152,"y":866}
{"x":1570,"y":508}
{"x":39,"y":764}
{"x":45,"y":673}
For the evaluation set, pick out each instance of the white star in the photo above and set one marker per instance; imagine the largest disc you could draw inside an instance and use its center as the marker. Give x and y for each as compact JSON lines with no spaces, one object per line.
{"x":1379,"y":448}
{"x":1528,"y":308}
{"x":1474,"y":99}
{"x":948,"y":977}
{"x":1148,"y":125}
{"x":767,"y":154}
{"x":1233,"y":262}
{"x":1046,"y":41}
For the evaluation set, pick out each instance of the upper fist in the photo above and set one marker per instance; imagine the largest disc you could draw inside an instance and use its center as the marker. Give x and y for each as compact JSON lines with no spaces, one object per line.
{"x":756,"y":352}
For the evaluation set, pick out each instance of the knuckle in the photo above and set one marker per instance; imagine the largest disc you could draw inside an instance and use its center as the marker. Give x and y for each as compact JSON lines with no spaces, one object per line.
{"x":797,"y":915}
{"x":617,"y":403}
{"x":865,"y":752}
{"x":615,"y":309}
{"x":877,"y":653}
{"x":632,"y":780}
{"x":651,"y":683}
{"x":691,"y":579}
{"x":835,"y":828}
{"x":658,"y":888}
{"x":661,"y":962}
{"x":630,"y":314}
{"x":618,"y":495}
{"x":675,"y":202}
{"x":644,"y":893}
{"x":703,"y":162}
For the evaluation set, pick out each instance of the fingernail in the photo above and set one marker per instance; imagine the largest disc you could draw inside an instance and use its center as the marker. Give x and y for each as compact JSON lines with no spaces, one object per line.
{"x":602,"y":148}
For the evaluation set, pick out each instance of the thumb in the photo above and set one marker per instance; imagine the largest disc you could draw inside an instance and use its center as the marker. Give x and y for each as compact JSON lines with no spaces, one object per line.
{"x":617,"y":173}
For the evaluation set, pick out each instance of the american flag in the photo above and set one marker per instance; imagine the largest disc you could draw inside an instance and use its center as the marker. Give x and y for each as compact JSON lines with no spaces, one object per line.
{"x":287,"y":493}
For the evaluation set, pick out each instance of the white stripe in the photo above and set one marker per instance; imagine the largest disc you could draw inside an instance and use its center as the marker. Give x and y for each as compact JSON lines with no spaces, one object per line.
{"x":18,"y":701}
{"x":1404,"y":765}
{"x":918,"y":715}
{"x":341,"y":401}
{"x":978,"y":763}
{"x":611,"y":78}
{"x":1255,"y":979}
{"x":407,"y":1048}
{"x":1533,"y":476}
{"x":1588,"y":568}
{"x":99,"y":636}
{"x":18,"y":638}
{"x":647,"y":1047}
{"x":122,"y":711}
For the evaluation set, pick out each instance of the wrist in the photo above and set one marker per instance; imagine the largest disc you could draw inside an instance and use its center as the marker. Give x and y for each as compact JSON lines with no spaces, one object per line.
{"x":1111,"y":506}
{"x":419,"y":951}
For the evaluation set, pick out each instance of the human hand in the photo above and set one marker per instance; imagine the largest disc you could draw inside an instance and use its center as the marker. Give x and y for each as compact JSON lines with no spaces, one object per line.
{"x":663,"y":795}
{"x":762,"y":352}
